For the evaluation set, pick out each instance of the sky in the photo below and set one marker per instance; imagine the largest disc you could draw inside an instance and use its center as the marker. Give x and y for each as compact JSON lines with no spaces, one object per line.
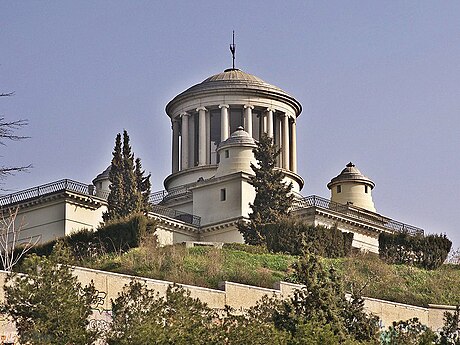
{"x":379,"y":82}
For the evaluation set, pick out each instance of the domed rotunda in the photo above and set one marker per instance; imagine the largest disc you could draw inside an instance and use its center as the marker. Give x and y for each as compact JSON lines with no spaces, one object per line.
{"x":207,"y":113}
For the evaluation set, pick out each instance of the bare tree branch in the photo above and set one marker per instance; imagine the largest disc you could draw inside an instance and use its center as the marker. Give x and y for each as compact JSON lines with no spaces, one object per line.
{"x":10,"y":239}
{"x":8,"y":94}
{"x":7,"y":129}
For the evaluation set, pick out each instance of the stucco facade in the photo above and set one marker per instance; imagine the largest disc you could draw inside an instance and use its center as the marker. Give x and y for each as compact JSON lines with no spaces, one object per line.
{"x":215,"y":127}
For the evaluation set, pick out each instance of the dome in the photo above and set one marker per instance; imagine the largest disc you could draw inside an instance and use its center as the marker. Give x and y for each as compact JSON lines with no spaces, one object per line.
{"x":238,"y":138}
{"x":236,"y":80}
{"x":351,"y":174}
{"x":103,"y":175}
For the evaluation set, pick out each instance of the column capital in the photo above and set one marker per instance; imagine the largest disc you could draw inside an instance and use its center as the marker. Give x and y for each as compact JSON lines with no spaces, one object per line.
{"x":201,"y":108}
{"x":184,"y":114}
{"x":248,"y":106}
{"x":270,"y":109}
{"x":223,"y":106}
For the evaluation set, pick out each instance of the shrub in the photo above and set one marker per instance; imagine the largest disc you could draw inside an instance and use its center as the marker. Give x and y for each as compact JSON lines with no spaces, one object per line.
{"x":296,"y":237}
{"x":246,"y":248}
{"x":116,"y":236}
{"x":427,"y":252}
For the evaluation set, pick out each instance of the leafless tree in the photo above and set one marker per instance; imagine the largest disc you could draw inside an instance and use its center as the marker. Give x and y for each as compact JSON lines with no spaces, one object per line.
{"x":8,"y":132}
{"x":12,"y":247}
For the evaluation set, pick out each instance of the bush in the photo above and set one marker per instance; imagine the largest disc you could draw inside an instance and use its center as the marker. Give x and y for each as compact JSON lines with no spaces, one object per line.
{"x":117,"y":236}
{"x":428,"y":252}
{"x":246,"y":248}
{"x":296,"y":237}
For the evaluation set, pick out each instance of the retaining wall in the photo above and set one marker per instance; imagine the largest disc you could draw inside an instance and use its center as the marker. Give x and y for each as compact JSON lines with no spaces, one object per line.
{"x":239,"y":297}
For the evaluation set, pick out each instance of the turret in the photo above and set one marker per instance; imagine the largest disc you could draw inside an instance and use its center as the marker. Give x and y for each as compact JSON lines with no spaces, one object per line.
{"x":102,"y":183}
{"x":353,"y":188}
{"x":236,"y":154}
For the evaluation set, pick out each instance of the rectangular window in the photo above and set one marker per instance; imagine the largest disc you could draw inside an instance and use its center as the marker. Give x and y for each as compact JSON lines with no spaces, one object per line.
{"x":339,"y":189}
{"x":227,"y":154}
{"x":365,"y":189}
{"x":223,"y":194}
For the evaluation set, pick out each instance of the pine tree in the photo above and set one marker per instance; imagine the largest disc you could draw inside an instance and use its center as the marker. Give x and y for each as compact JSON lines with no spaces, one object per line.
{"x":273,"y":198}
{"x":129,"y":188}
{"x":322,"y":301}
{"x":48,"y":304}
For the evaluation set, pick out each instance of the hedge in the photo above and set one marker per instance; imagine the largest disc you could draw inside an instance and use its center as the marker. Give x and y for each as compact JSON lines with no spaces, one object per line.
{"x":296,"y":237}
{"x":428,"y":252}
{"x":116,"y":236}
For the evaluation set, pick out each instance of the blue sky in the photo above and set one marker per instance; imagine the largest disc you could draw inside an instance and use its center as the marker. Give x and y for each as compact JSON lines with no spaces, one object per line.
{"x":379,"y":82}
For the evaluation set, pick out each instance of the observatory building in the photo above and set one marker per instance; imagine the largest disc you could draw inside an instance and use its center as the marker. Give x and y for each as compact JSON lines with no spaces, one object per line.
{"x":215,"y":127}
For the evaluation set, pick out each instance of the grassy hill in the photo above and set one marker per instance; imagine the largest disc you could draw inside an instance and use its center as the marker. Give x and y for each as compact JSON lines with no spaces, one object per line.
{"x":207,"y":266}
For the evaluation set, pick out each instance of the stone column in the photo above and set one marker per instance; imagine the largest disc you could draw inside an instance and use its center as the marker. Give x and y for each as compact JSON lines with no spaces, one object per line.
{"x":293,"y":146}
{"x":201,"y":135}
{"x":185,"y":142}
{"x":248,"y":119}
{"x":224,"y":122}
{"x":175,"y":146}
{"x":192,"y":143}
{"x":208,"y":137}
{"x":285,"y":140}
{"x":270,"y":122}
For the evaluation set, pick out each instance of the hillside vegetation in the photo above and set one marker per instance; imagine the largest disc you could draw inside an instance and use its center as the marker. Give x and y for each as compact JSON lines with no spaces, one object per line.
{"x":207,"y":266}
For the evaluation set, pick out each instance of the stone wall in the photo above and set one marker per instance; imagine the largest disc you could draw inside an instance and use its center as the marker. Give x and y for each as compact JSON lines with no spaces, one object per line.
{"x":239,"y":297}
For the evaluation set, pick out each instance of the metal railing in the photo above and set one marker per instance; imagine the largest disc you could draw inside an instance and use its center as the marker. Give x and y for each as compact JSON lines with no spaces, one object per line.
{"x":164,"y":195}
{"x":90,"y":190}
{"x":355,"y":212}
{"x":45,"y":189}
{"x":175,"y":214}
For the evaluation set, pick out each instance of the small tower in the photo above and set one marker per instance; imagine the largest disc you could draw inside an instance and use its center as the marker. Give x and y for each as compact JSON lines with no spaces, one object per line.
{"x":236,"y":154}
{"x":102,"y":183}
{"x":352,"y":187}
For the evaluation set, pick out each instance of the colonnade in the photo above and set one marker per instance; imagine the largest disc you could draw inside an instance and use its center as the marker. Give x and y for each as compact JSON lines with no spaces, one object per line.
{"x":183,"y":127}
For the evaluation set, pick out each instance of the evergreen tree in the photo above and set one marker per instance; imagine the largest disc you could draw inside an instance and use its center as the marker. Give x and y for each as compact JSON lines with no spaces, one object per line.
{"x":132,"y":203}
{"x":322,"y":302}
{"x":47,"y":303}
{"x":143,"y":185}
{"x":273,"y":198}
{"x":116,"y":196}
{"x":129,"y":188}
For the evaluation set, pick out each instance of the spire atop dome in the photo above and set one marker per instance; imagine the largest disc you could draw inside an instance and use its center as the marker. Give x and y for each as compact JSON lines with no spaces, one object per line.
{"x":233,"y":50}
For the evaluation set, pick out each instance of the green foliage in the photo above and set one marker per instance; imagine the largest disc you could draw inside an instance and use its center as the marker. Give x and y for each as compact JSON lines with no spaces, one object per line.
{"x":115,"y":236}
{"x":399,"y":283}
{"x":427,"y":252}
{"x":450,"y":333}
{"x":201,"y":266}
{"x":322,"y":300}
{"x":48,"y":305}
{"x":143,"y":185}
{"x":273,"y":198}
{"x":410,"y":332}
{"x":246,"y":248}
{"x":129,"y":188}
{"x":206,"y":266}
{"x":141,"y":317}
{"x":294,"y":237}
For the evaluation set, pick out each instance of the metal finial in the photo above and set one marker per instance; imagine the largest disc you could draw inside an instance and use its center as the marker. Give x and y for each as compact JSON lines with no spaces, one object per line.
{"x":232,"y":49}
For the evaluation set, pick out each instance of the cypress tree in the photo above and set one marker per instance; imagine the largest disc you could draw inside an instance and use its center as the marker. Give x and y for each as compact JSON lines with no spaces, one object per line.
{"x":273,"y":198}
{"x":129,"y":188}
{"x":132,"y":201}
{"x":117,"y":194}
{"x":143,"y":185}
